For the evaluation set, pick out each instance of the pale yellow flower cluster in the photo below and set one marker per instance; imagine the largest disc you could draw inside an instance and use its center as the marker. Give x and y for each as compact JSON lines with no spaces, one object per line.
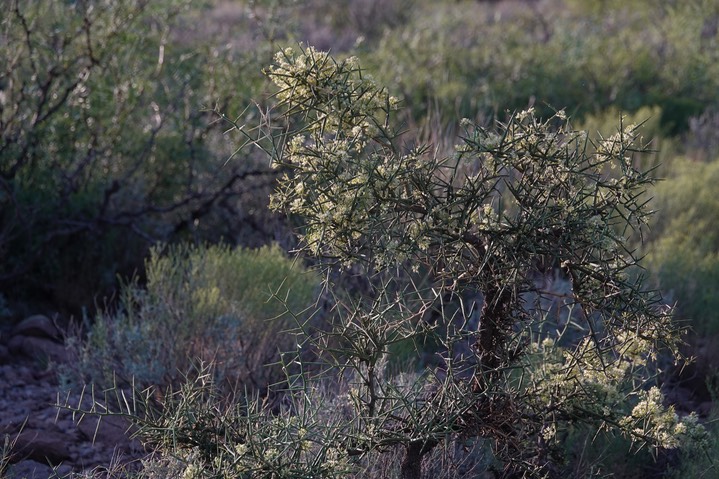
{"x":344,"y":100}
{"x":337,"y":180}
{"x":579,"y":373}
{"x":615,"y":145}
{"x":600,"y":381}
{"x":652,"y":419}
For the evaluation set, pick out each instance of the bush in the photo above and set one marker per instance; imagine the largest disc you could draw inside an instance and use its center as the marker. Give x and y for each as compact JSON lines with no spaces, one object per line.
{"x":684,"y":253}
{"x":105,"y":147}
{"x":585,"y":55}
{"x":210,"y":303}
{"x":483,"y":229}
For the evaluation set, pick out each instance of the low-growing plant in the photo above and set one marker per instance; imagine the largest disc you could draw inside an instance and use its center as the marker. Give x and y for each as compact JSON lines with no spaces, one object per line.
{"x":212,"y":303}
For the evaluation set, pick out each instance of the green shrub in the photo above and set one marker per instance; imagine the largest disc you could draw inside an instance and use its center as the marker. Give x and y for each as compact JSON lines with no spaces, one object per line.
{"x":684,"y":253}
{"x":105,"y":146}
{"x":515,"y":202}
{"x":210,"y":303}
{"x":475,"y":58}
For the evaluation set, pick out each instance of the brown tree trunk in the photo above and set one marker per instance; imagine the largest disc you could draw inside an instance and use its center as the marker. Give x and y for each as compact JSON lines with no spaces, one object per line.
{"x":411,"y":467}
{"x":492,"y":327}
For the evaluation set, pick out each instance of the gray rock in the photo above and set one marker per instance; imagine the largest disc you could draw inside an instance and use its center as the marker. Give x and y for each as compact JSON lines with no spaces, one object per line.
{"x":4,"y":354}
{"x":38,"y":348}
{"x":41,"y":445}
{"x":29,"y":469}
{"x":46,"y":437}
{"x":112,"y":431}
{"x":37,"y":325}
{"x":15,"y":344}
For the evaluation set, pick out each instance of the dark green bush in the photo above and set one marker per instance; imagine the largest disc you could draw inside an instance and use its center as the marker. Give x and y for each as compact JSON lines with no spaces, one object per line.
{"x":105,"y":147}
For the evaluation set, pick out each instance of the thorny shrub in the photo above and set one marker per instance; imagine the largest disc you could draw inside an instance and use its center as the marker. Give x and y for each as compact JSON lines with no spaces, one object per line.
{"x":528,"y":198}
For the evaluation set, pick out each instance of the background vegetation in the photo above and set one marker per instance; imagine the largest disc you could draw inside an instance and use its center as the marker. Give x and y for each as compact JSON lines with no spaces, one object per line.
{"x":110,"y":144}
{"x":210,"y":304}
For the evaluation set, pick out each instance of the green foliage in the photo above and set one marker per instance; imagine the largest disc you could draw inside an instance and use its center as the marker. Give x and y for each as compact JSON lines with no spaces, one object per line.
{"x":104,"y":144}
{"x":469,"y":58}
{"x":456,"y":251}
{"x":345,"y":26}
{"x":211,"y":303}
{"x":513,"y":203}
{"x":684,"y":253}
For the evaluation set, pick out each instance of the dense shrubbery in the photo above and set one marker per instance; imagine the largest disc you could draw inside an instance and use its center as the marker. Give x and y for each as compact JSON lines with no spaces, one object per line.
{"x":105,"y":147}
{"x":467,"y":60}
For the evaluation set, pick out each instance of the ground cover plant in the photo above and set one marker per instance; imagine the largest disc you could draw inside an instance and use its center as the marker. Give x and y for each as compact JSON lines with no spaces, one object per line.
{"x":479,"y":229}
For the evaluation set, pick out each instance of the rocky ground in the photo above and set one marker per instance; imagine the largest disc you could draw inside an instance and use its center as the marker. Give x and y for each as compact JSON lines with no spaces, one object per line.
{"x":41,"y":440}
